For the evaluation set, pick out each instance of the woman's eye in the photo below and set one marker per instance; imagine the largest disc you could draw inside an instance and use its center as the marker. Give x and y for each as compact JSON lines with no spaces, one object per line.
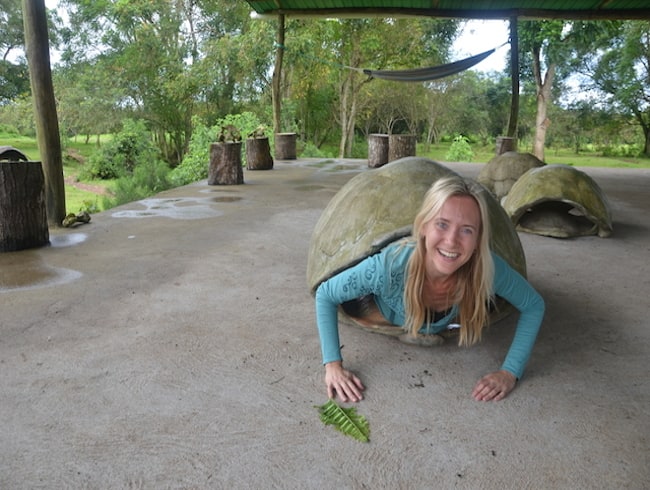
{"x":468,"y":231}
{"x":441,"y":224}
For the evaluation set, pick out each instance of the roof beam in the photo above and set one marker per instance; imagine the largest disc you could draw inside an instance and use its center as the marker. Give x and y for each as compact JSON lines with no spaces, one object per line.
{"x":525,"y":14}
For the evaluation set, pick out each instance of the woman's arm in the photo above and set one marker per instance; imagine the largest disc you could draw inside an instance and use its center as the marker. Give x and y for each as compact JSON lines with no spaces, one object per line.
{"x":514,"y":288}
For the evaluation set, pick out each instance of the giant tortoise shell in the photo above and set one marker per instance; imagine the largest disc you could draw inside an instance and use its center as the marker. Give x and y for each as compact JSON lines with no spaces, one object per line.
{"x":502,"y":171}
{"x":377,"y":207}
{"x":559,"y":201}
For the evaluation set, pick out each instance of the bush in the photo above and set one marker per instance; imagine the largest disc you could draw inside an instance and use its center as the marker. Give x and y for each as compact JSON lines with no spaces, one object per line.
{"x":310,"y":150}
{"x":197,"y":159}
{"x":460,"y":150}
{"x":148,"y":178}
{"x":122,"y":154}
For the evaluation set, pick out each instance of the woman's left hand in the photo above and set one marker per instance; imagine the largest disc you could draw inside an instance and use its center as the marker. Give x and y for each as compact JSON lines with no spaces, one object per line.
{"x":494,"y":386}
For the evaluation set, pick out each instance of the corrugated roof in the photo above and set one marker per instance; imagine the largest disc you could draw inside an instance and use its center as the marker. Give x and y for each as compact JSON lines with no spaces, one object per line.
{"x":486,"y":9}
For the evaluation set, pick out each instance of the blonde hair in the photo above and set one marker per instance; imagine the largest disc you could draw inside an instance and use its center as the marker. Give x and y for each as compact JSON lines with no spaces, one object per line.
{"x":473,"y":280}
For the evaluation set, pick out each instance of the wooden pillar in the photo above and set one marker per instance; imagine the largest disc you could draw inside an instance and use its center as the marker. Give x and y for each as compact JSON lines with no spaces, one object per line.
{"x":47,"y":124}
{"x":23,"y":218}
{"x":377,"y":150}
{"x":276,"y":82}
{"x":225,"y":164}
{"x":514,"y":75}
{"x":400,"y":146}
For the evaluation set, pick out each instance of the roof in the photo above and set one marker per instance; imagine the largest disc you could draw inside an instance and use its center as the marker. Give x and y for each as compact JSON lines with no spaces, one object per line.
{"x":478,"y":9}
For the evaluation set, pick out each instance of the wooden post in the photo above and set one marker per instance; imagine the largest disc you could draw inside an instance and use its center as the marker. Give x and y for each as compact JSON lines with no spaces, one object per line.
{"x":505,"y":144}
{"x":258,"y":154}
{"x":23,"y":218}
{"x":514,"y":75}
{"x":377,"y":150}
{"x":276,"y":81}
{"x":400,"y":146}
{"x":285,"y":146}
{"x":47,"y":124}
{"x":225,"y":164}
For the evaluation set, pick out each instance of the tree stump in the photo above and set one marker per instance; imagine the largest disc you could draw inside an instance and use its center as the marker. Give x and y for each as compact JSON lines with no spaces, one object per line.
{"x":23,"y":216}
{"x":400,"y":146}
{"x":505,"y":144}
{"x":285,"y":146}
{"x":377,"y":150}
{"x":258,"y":154}
{"x":225,"y":164}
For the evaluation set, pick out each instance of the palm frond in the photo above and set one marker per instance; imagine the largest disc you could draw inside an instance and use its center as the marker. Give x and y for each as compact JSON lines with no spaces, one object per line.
{"x":345,"y":420}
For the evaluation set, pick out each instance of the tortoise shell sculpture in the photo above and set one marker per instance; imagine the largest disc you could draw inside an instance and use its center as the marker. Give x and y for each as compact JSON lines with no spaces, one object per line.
{"x":559,"y":201}
{"x":376,"y":208}
{"x":501,"y":172}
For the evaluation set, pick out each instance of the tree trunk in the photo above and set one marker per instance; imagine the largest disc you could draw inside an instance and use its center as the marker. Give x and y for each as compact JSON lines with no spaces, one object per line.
{"x":400,"y":146}
{"x":47,"y":124}
{"x":225,"y":164}
{"x":377,"y":150}
{"x":23,"y":219}
{"x":543,"y":100}
{"x":258,"y":154}
{"x":276,"y":83}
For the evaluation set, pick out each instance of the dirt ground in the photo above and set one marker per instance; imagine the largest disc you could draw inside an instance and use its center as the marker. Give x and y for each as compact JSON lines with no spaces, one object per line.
{"x":171,"y":343}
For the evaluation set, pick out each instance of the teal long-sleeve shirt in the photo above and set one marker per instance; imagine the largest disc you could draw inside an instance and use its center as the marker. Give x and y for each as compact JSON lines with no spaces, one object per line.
{"x":383,"y":275}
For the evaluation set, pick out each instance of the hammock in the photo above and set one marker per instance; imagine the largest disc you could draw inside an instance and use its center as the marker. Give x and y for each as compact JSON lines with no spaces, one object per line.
{"x":429,"y":73}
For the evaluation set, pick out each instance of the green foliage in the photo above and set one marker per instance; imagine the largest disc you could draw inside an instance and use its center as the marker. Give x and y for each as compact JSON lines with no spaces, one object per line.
{"x":460,"y":150}
{"x":197,"y":159}
{"x":345,"y":420}
{"x":149,"y":177}
{"x":123,"y":153}
{"x":310,"y":150}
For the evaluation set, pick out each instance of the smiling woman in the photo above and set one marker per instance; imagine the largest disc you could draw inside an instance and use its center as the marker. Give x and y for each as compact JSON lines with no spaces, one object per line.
{"x":421,"y":287}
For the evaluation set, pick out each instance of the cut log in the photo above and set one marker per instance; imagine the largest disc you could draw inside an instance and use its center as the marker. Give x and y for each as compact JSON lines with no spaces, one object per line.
{"x":377,"y":150}
{"x":258,"y":154}
{"x":285,"y":146}
{"x":225,"y":164}
{"x":505,"y":144}
{"x":23,"y":216}
{"x":400,"y":146}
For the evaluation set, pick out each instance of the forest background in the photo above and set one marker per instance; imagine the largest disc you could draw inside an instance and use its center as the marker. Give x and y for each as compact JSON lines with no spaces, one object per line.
{"x":144,"y":86}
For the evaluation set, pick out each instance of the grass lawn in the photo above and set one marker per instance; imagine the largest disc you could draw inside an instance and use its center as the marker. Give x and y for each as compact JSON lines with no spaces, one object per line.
{"x":88,"y":195}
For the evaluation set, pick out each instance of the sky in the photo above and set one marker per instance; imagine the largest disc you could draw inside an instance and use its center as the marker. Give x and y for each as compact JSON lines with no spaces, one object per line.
{"x":480,"y":35}
{"x":476,"y":37}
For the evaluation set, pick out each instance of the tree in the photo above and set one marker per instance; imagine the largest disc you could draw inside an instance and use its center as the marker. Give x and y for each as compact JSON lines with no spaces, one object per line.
{"x":622,"y":73}
{"x":554,"y":47}
{"x":14,"y":78}
{"x":380,"y":44}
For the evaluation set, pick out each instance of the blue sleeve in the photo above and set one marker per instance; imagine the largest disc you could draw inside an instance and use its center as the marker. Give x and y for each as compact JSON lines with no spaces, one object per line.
{"x":366,"y":277}
{"x":516,"y":290}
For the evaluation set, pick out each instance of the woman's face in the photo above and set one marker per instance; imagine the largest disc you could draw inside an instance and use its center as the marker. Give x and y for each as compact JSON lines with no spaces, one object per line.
{"x":452,"y":236}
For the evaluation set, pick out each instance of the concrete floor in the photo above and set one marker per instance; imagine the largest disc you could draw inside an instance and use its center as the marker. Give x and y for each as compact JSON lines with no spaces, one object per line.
{"x":171,"y":343}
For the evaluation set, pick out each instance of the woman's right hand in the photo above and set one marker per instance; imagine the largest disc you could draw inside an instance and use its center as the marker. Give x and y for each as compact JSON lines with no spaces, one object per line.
{"x":342,"y":382}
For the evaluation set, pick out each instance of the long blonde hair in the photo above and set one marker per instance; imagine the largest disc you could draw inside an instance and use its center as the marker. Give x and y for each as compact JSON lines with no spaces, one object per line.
{"x":473,"y":280}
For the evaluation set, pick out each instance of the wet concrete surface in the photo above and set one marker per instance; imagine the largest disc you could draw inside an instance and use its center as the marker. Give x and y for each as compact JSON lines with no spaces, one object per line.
{"x":171,"y":343}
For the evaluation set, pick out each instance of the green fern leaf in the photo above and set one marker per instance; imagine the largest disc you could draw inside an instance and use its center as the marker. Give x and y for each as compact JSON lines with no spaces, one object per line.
{"x":345,"y":420}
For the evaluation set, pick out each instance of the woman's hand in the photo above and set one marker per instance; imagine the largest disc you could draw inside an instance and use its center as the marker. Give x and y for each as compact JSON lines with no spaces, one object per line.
{"x":342,"y":382}
{"x":494,"y":386}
